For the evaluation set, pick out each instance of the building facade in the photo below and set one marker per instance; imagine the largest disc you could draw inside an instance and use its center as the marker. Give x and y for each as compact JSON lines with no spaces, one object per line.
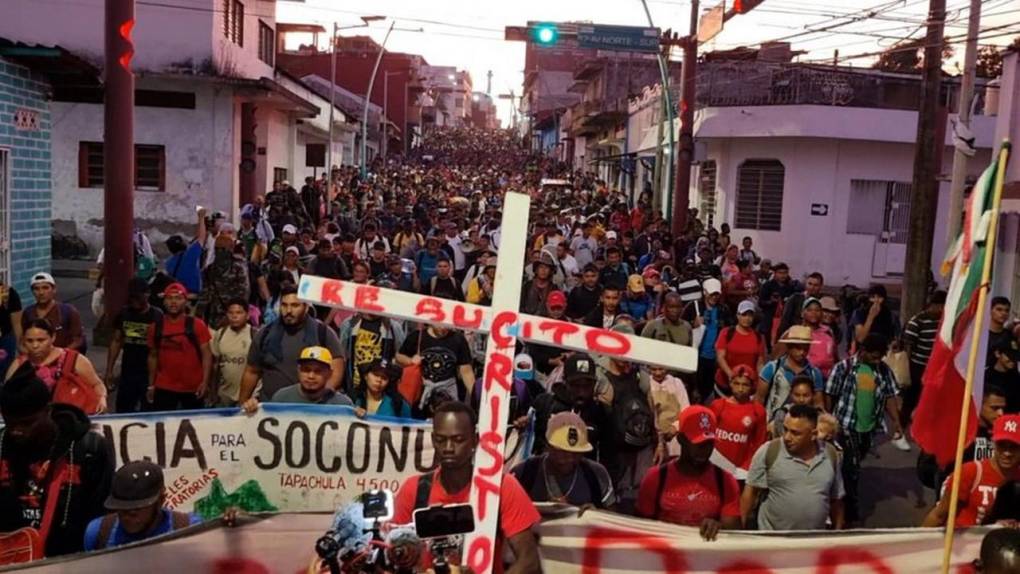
{"x":25,"y":164}
{"x":816,"y":164}
{"x":215,"y":125}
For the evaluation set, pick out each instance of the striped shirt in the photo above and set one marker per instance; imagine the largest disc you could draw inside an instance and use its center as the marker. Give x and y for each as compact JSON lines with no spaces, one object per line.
{"x":920,"y":335}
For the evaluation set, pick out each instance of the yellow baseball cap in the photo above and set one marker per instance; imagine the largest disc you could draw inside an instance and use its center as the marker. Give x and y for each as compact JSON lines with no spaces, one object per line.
{"x":317,"y":354}
{"x":567,"y":431}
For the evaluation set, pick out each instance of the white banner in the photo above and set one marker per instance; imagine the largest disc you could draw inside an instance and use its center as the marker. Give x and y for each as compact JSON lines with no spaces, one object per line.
{"x":597,"y":543}
{"x":287,"y":457}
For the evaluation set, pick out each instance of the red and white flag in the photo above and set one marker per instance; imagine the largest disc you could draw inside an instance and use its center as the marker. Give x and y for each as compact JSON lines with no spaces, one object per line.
{"x":937,"y":419}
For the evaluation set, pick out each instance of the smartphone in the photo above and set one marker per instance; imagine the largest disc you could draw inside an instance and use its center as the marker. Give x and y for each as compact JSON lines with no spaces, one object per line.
{"x":441,"y":521}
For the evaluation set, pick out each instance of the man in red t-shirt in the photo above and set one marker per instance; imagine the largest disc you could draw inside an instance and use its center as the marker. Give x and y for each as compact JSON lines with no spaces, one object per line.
{"x":742,"y":425}
{"x":980,"y":480}
{"x":689,"y":490}
{"x":740,"y":344}
{"x":179,"y":357}
{"x":454,"y":438}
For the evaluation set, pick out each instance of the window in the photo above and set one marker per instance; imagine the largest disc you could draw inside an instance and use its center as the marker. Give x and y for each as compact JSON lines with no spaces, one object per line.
{"x":233,"y":21}
{"x":760,"y":194}
{"x":878,"y":207}
{"x":279,"y":174}
{"x":267,"y":43}
{"x":150,"y":166}
{"x":706,"y":189}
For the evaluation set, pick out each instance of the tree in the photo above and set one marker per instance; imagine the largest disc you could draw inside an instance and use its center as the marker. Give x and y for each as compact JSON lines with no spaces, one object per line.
{"x":908,"y":56}
{"x":989,"y":59}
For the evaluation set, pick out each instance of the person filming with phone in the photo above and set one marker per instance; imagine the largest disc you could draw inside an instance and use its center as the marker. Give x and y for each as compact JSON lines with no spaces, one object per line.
{"x":455,"y":438}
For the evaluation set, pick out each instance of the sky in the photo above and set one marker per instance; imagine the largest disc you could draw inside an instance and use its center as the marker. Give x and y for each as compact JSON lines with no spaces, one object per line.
{"x":469,"y":33}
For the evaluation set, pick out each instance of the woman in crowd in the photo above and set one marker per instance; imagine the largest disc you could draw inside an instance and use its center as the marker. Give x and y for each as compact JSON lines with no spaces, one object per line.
{"x":56,"y":366}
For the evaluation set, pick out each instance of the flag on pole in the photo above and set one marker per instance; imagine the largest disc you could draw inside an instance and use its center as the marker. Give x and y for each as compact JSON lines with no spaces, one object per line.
{"x":937,"y":419}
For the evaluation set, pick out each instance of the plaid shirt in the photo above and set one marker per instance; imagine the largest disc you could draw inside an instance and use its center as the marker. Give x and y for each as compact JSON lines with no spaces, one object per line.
{"x":842,"y":387}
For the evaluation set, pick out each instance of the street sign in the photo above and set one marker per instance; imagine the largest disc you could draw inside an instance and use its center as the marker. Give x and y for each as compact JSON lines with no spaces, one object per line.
{"x":711,"y":23}
{"x":820,"y":209}
{"x":619,"y":38}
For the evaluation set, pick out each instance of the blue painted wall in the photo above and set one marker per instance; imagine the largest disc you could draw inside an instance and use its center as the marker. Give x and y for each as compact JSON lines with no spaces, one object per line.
{"x":29,"y":165}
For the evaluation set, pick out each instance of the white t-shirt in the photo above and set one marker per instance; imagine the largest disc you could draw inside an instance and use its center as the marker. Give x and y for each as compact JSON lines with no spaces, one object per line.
{"x":230,"y":349}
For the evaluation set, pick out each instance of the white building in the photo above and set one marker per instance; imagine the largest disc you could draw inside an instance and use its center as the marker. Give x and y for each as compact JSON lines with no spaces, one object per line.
{"x":815,"y":165}
{"x":214,"y":123}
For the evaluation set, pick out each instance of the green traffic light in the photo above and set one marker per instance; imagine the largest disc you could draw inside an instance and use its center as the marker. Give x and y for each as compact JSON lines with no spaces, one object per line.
{"x":546,"y":34}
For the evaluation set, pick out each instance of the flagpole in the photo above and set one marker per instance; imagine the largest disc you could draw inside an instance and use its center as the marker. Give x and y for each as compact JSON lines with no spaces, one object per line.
{"x":986,"y":272}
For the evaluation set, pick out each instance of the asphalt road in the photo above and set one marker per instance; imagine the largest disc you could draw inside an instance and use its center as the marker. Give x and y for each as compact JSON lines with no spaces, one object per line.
{"x":891,"y":495}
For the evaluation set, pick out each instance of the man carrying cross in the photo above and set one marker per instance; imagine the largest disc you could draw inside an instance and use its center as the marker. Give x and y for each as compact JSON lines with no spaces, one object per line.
{"x":455,"y":438}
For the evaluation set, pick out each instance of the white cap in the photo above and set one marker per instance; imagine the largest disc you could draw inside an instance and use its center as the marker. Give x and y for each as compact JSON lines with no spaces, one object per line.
{"x":712,"y":285}
{"x":290,"y":229}
{"x":610,"y":235}
{"x":42,"y":278}
{"x":293,"y":249}
{"x":746,"y":306}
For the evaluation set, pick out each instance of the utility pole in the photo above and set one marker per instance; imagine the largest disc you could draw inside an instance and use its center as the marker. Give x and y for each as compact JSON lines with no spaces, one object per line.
{"x":685,"y":145}
{"x":924,"y":193}
{"x":963,"y":118}
{"x":118,"y":156}
{"x":385,"y":112}
{"x":332,"y":106}
{"x":488,"y":83}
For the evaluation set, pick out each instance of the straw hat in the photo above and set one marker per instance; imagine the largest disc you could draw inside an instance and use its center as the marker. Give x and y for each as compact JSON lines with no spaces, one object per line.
{"x":797,"y":335}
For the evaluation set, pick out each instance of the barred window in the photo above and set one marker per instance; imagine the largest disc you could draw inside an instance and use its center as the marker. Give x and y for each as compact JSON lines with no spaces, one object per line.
{"x":760,"y":194}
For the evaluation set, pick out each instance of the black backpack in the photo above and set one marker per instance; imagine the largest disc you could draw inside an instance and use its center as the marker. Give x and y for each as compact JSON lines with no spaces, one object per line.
{"x":189,"y":333}
{"x":635,"y":425}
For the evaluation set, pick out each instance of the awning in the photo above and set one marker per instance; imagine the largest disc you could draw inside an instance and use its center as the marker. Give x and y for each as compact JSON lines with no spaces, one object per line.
{"x":647,"y":146}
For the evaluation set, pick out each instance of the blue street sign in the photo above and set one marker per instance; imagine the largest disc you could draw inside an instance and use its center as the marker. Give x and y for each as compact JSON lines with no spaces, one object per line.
{"x":619,"y":38}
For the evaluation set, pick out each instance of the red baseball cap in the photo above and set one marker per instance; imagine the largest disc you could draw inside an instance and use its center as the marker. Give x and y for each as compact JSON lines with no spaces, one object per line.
{"x":697,"y":423}
{"x":1007,"y":427}
{"x":743,"y":371}
{"x":175,"y":289}
{"x":556,"y":299}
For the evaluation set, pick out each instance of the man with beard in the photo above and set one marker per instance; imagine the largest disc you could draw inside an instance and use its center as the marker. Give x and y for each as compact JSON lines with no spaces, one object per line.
{"x":274,"y":353}
{"x":54,"y":473}
{"x":455,"y":438}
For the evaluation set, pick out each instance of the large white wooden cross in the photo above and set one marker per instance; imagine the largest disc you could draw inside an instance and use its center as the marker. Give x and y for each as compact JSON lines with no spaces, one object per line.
{"x":504,"y":325}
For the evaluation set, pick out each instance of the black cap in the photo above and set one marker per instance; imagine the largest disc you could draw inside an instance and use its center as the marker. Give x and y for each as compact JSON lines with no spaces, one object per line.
{"x":135,"y":485}
{"x":387,"y":369}
{"x":579,"y":366}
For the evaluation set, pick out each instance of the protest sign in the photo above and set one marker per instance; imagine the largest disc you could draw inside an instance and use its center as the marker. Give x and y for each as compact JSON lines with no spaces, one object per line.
{"x":285,"y":457}
{"x":596,"y":543}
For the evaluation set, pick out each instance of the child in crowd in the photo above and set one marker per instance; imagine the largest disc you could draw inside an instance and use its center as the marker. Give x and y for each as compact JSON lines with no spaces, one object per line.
{"x":802,"y":392}
{"x":742,"y":423}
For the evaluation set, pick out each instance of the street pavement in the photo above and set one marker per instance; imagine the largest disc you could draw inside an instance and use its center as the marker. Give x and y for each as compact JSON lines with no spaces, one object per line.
{"x":891,"y":495}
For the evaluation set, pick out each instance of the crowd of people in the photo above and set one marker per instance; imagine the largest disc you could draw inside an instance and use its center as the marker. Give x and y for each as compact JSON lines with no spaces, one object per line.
{"x":793,"y":386}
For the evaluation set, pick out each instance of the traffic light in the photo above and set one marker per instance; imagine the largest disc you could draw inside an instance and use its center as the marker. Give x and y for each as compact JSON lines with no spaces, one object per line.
{"x":544,"y":34}
{"x":744,"y":6}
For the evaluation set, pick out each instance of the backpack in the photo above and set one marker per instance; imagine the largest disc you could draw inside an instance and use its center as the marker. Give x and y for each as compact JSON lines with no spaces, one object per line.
{"x":634,"y":422}
{"x":178,"y":521}
{"x":189,"y":333}
{"x":531,"y":469}
{"x":72,"y":389}
{"x":773,"y":448}
{"x":664,"y":469}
